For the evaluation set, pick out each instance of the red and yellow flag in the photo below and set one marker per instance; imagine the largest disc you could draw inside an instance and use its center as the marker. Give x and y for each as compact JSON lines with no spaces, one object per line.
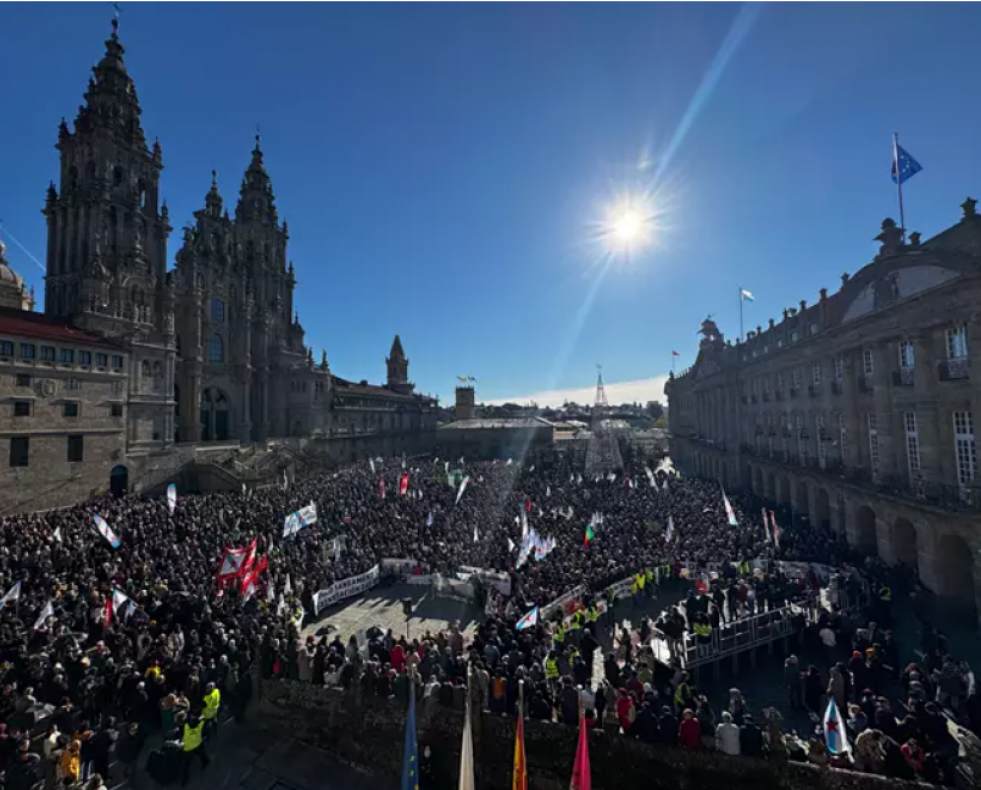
{"x":520,"y":780}
{"x":581,"y":776}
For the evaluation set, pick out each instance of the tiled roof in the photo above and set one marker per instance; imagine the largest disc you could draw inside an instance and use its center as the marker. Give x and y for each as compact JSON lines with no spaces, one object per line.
{"x":497,"y":423}
{"x":343,"y":387}
{"x":25,"y":323}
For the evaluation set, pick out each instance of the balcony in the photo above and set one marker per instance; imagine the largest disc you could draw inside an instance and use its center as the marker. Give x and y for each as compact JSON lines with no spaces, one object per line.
{"x":814,"y":390}
{"x":954,"y":369}
{"x":836,"y":387}
{"x":904,"y":377}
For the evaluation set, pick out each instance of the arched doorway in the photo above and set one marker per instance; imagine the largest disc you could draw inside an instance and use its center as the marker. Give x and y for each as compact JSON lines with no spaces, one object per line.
{"x":822,"y":508}
{"x":955,"y":571}
{"x":865,"y":529}
{"x":119,"y":480}
{"x":215,"y":415}
{"x":904,"y":542}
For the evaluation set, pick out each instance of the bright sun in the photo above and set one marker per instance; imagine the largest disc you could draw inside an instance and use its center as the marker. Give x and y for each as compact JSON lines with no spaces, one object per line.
{"x":628,"y":227}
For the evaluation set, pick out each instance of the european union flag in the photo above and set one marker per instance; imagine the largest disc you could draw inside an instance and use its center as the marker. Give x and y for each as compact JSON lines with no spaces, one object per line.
{"x":410,"y":755}
{"x":908,"y":166}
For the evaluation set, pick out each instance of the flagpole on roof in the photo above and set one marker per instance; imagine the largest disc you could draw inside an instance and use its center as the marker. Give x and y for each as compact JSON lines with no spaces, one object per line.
{"x":741,"y":300}
{"x":899,"y":183}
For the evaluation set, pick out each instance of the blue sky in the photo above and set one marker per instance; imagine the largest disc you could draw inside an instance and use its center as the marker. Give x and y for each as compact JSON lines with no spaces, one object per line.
{"x":442,"y":166}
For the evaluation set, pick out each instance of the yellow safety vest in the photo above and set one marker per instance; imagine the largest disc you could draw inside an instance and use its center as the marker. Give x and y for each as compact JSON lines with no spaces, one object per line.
{"x":703,"y":629}
{"x":681,"y":694}
{"x":744,"y":568}
{"x":192,"y":737}
{"x":551,"y":669}
{"x":572,"y":655}
{"x":641,"y":580}
{"x":592,"y":615}
{"x":212,"y":702}
{"x":559,"y":635}
{"x":650,"y":576}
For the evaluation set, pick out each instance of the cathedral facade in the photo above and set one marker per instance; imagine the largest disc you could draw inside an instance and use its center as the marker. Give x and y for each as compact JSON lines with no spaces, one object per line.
{"x":210,"y":352}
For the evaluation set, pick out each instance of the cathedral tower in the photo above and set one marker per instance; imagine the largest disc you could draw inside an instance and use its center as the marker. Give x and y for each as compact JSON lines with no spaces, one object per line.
{"x":107,"y":234}
{"x":398,"y":369}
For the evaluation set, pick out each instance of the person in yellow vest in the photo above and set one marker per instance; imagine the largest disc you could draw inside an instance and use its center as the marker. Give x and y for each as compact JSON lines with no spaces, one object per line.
{"x":575,"y":627}
{"x":558,"y":638}
{"x":212,"y":702}
{"x":649,"y":582}
{"x":551,"y":669}
{"x":193,"y":746}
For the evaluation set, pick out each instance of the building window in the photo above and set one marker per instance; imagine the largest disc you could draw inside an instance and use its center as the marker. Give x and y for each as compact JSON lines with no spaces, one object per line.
{"x":6,"y":348}
{"x":76,"y":449}
{"x":873,"y":442}
{"x":815,"y":374}
{"x":24,"y":380}
{"x":796,"y":378}
{"x":101,"y":360}
{"x":85,"y":358}
{"x":22,"y":408}
{"x":801,"y":441}
{"x":794,"y":336}
{"x":839,"y":368}
{"x":779,"y":382}
{"x":822,"y":447}
{"x":906,"y":354}
{"x":965,"y":448}
{"x":842,"y":439}
{"x":217,"y":353}
{"x":73,"y":384}
{"x":27,"y":351}
{"x":116,"y":410}
{"x":68,"y":356}
{"x":217,"y":310}
{"x":19,"y":450}
{"x":117,"y":362}
{"x":145,"y":369}
{"x":70,"y":409}
{"x":957,"y":342}
{"x":769,"y":446}
{"x":912,"y":446}
{"x":868,"y":367}
{"x":47,"y":354}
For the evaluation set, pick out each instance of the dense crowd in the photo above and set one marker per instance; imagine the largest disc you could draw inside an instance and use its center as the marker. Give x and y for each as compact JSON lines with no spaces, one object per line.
{"x":181,"y":649}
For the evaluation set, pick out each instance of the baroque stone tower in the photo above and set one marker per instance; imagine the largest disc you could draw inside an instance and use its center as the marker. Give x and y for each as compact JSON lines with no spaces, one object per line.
{"x":398,"y":369}
{"x":107,"y":241}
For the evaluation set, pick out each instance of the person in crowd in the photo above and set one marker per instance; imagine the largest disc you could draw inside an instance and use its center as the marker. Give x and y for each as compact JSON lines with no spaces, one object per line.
{"x":727,"y":737}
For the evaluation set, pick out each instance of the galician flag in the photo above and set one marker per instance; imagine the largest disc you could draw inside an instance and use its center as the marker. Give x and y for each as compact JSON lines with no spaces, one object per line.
{"x":530,"y":620}
{"x":463,"y":487}
{"x":46,"y":612}
{"x":12,"y":595}
{"x":834,"y":731}
{"x":172,"y":498}
{"x":746,"y":296}
{"x":106,"y":532}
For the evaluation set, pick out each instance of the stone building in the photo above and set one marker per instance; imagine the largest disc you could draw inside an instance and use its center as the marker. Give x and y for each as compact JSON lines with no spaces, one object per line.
{"x":858,"y":411}
{"x":210,"y":352}
{"x":472,"y":436}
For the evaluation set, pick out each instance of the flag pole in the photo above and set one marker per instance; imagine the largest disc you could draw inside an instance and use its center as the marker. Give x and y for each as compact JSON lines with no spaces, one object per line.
{"x":899,"y":183}
{"x":740,"y":313}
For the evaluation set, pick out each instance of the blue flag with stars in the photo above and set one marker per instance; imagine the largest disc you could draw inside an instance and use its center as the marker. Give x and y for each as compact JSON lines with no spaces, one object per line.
{"x":908,"y":166}
{"x":410,"y":755}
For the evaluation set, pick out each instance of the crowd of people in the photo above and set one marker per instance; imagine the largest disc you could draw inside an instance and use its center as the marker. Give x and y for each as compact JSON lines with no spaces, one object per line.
{"x":177,"y":656}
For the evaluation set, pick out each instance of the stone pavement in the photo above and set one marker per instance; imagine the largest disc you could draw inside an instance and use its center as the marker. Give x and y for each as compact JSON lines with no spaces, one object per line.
{"x":382,"y":607}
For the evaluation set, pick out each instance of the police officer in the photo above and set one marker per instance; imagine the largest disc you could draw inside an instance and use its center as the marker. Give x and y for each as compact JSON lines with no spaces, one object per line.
{"x":193,"y":745}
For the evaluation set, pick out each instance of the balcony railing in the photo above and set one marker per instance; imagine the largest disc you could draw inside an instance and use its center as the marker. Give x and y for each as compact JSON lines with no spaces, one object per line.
{"x":904,"y":377}
{"x":954,"y":369}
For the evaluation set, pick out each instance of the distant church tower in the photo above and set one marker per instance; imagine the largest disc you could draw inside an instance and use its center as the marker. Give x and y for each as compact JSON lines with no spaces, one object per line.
{"x":465,"y":403}
{"x":398,"y":369}
{"x":107,"y":234}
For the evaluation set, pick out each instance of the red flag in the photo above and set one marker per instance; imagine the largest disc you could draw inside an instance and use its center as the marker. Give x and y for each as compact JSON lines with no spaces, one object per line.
{"x":250,"y":579}
{"x":528,"y":506}
{"x":108,"y":612}
{"x":404,"y":484}
{"x":519,"y":779}
{"x":381,"y":488}
{"x":581,"y":776}
{"x":675,"y":354}
{"x":235,"y":563}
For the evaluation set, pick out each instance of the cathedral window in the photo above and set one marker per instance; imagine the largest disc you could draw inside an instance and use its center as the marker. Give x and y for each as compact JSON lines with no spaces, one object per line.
{"x":217,"y":310}
{"x":217,"y":348}
{"x":145,"y":369}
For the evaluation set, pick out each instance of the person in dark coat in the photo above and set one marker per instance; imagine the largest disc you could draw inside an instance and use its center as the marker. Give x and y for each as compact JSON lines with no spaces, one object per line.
{"x":128,"y":752}
{"x":645,"y":726}
{"x":102,"y":744}
{"x":751,"y":742}
{"x":668,"y":727}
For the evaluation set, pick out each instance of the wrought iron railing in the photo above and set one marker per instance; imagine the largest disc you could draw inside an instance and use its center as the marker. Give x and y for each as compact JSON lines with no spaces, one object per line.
{"x":954,"y":369}
{"x":904,"y":377}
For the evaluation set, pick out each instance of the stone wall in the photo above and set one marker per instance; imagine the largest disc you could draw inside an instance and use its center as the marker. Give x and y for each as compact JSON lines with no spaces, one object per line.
{"x":370,"y":733}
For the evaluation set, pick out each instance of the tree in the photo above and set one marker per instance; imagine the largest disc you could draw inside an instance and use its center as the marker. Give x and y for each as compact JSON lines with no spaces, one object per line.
{"x":654,"y":410}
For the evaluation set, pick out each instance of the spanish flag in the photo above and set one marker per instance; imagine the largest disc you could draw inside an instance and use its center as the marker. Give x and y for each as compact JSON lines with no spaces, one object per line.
{"x":520,"y":780}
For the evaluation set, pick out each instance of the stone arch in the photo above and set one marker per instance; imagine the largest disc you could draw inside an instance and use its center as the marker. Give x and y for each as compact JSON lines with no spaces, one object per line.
{"x":865,"y":531}
{"x":955,"y":570}
{"x":822,"y":508}
{"x":903,"y":540}
{"x":119,"y":480}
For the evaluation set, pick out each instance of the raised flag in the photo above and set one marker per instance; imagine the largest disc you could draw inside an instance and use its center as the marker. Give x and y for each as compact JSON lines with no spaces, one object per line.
{"x":120,"y":601}
{"x":371,"y":463}
{"x":834,"y":731}
{"x":510,"y":545}
{"x":669,"y":535}
{"x":730,"y":513}
{"x":46,"y":612}
{"x":675,"y":354}
{"x":463,"y":487}
{"x":524,"y":524}
{"x":286,"y":481}
{"x":13,"y":594}
{"x":510,"y":461}
{"x":590,"y":535}
{"x":250,"y":580}
{"x":766,"y":527}
{"x":746,"y":296}
{"x":381,"y":488}
{"x":548,"y":491}
{"x":235,"y":562}
{"x":581,"y":775}
{"x":410,"y":751}
{"x":519,"y":779}
{"x":466,"y":749}
{"x":57,"y":534}
{"x":404,"y":484}
{"x":106,"y":532}
{"x":530,"y":620}
{"x":776,"y":529}
{"x":904,"y":166}
{"x":172,"y":498}
{"x":303,"y":517}
{"x":429,"y":519}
